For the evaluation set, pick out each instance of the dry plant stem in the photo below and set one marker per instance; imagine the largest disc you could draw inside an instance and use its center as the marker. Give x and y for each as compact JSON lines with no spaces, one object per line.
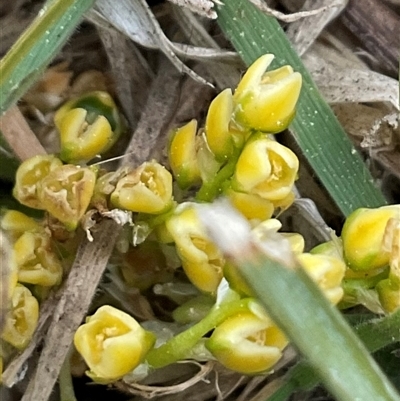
{"x":162,"y":103}
{"x":92,"y":257}
{"x":19,"y":136}
{"x":304,"y":32}
{"x":90,"y":263}
{"x":153,"y":391}
{"x":380,"y":34}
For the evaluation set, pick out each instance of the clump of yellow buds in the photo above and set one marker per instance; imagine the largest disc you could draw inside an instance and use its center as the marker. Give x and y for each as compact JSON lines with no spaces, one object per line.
{"x":21,"y":320}
{"x":201,"y":260}
{"x":183,"y":155}
{"x":267,"y":169}
{"x":266,"y":101}
{"x":35,"y":259}
{"x":29,"y":174}
{"x":66,"y":193}
{"x":363,"y":234}
{"x":249,"y":343}
{"x":147,"y":189}
{"x":88,"y":126}
{"x":112,"y":343}
{"x":327,"y":272}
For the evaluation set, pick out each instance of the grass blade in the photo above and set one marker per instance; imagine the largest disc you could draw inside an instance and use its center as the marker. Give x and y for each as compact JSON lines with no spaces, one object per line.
{"x":315,"y":128}
{"x":36,"y":47}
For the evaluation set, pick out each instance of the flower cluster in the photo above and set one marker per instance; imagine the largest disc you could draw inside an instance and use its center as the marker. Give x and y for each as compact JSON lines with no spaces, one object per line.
{"x":370,"y":248}
{"x":165,"y":251}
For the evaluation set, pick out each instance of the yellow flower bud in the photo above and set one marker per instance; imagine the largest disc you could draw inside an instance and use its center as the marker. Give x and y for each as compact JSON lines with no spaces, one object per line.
{"x":247,"y":343}
{"x":266,"y":168}
{"x":327,"y":272}
{"x":16,"y":223}
{"x":182,"y":155}
{"x":21,"y":320}
{"x":112,"y":343}
{"x":201,"y":259}
{"x":88,"y":126}
{"x":266,"y":101}
{"x":29,"y":175}
{"x":363,"y":235}
{"x":389,"y":289}
{"x":252,"y":206}
{"x":66,"y":192}
{"x":35,"y":259}
{"x":219,"y":137}
{"x":147,"y":189}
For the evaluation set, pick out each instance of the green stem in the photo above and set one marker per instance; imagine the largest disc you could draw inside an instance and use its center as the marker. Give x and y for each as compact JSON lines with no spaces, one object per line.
{"x":211,"y":189}
{"x":36,"y":47}
{"x":178,"y":346}
{"x":65,"y":381}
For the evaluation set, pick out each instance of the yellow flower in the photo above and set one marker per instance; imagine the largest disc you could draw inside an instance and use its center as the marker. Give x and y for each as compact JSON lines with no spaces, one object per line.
{"x":363,"y":235}
{"x":266,"y":101}
{"x":29,"y":175}
{"x":16,"y":223}
{"x":182,"y":155}
{"x":21,"y":320}
{"x":147,"y":189}
{"x":389,"y":289}
{"x":249,"y":343}
{"x":66,"y":192}
{"x":35,"y":259}
{"x":88,"y":126}
{"x":201,"y":260}
{"x":112,"y":343}
{"x":327,"y":272}
{"x":267,"y":169}
{"x":218,"y":133}
{"x":252,"y":206}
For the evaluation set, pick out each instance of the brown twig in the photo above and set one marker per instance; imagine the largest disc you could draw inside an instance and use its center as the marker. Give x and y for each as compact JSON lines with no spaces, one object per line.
{"x":19,"y":135}
{"x":378,"y":28}
{"x":92,"y":257}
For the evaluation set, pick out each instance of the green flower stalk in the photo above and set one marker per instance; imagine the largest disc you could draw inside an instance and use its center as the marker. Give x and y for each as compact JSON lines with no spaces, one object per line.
{"x":266,"y":101}
{"x":88,"y":126}
{"x":35,"y":259}
{"x":66,"y":193}
{"x":267,"y":169}
{"x":112,"y":343}
{"x":201,"y":260}
{"x":21,"y":320}
{"x":248,"y":343}
{"x":182,"y":155}
{"x":29,"y":175}
{"x":147,"y":189}
{"x":363,"y":234}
